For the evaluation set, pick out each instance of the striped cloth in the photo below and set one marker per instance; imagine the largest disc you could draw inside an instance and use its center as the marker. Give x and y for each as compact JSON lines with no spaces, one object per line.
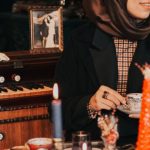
{"x":124,"y":50}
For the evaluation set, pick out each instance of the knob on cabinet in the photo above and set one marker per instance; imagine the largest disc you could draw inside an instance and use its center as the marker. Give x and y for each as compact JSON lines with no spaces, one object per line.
{"x":1,"y":136}
{"x":16,"y":77}
{"x":2,"y":79}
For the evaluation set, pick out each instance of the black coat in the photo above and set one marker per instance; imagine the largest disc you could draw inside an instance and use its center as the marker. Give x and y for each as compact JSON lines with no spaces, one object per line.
{"x":89,"y":61}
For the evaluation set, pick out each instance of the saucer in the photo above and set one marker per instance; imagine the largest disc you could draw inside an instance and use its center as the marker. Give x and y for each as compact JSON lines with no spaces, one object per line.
{"x":126,"y":110}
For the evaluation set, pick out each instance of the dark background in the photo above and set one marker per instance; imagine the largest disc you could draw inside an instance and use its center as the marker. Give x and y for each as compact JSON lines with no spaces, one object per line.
{"x":15,"y":26}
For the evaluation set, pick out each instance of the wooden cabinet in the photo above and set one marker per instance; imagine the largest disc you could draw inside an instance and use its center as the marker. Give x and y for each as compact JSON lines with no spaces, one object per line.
{"x":24,"y":119}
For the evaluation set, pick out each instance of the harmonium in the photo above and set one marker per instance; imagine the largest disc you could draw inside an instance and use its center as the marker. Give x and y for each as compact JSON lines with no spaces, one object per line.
{"x":26,"y":82}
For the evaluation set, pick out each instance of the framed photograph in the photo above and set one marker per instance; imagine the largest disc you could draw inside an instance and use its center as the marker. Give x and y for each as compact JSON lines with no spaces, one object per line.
{"x":46,"y":29}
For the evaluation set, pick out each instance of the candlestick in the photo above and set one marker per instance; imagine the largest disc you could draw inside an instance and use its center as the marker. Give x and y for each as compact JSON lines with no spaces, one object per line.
{"x":56,"y":114}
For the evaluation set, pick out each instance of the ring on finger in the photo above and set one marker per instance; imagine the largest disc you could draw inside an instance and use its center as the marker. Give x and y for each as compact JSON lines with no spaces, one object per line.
{"x":105,"y":95}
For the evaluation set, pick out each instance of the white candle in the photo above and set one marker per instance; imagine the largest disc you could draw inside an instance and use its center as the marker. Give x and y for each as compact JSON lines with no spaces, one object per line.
{"x":56,"y":114}
{"x":84,"y":146}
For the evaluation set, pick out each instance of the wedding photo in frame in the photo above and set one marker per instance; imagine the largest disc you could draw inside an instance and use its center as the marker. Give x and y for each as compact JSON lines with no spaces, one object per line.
{"x":46,"y":26}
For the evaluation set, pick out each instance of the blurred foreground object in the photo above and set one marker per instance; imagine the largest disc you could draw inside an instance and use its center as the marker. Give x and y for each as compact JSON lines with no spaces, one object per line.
{"x":143,"y":142}
{"x":110,"y":135}
{"x":4,"y":57}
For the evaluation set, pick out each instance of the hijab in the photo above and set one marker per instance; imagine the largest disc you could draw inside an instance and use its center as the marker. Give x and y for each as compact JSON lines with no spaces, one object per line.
{"x":113,"y":18}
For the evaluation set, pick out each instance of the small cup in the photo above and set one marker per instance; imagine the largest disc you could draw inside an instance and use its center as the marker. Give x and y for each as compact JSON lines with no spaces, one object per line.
{"x":40,"y":144}
{"x":81,"y":141}
{"x":134,"y":101}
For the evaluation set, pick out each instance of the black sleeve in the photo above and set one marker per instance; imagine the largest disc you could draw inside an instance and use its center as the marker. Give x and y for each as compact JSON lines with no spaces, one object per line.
{"x":74,"y":104}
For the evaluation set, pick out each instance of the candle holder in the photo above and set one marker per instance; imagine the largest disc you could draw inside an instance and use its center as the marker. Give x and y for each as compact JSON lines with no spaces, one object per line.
{"x":108,"y":125}
{"x":81,"y":141}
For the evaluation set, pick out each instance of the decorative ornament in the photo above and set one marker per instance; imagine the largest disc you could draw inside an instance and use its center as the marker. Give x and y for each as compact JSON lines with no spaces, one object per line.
{"x":143,"y":142}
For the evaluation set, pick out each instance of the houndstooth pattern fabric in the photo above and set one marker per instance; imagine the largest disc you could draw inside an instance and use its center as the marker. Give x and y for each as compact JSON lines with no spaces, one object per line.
{"x":124,"y":50}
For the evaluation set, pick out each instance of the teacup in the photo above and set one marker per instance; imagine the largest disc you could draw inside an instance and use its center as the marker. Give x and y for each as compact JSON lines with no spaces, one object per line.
{"x":134,"y":101}
{"x":40,"y":144}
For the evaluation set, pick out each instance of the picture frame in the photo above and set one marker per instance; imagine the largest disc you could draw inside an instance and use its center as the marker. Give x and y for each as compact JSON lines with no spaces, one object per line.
{"x":46,"y":29}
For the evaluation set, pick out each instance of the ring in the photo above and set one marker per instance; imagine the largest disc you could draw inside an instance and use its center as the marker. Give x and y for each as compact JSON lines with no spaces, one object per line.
{"x":105,"y":95}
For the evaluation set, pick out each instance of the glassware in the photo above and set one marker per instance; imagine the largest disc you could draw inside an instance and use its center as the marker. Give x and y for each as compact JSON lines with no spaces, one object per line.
{"x":110,"y":135}
{"x":81,"y":141}
{"x":40,"y":144}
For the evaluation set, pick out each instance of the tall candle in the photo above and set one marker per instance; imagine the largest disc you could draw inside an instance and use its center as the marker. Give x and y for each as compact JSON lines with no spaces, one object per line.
{"x":56,"y":114}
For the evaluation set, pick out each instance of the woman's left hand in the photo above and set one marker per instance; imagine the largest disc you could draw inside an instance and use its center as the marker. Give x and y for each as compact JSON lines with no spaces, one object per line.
{"x":136,"y":116}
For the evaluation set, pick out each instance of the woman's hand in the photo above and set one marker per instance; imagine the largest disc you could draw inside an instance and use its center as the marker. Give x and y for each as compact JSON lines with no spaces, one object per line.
{"x":106,"y":98}
{"x":136,"y":116}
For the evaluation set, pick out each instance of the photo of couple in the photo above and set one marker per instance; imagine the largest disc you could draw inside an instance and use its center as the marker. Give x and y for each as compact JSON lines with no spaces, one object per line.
{"x":45,"y":26}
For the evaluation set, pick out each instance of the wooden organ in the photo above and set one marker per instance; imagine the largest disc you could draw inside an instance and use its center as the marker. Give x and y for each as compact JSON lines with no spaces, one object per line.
{"x":25,"y":93}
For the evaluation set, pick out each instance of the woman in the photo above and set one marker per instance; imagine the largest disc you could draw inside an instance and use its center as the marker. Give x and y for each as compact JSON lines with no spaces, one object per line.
{"x":50,"y":23}
{"x":97,"y":68}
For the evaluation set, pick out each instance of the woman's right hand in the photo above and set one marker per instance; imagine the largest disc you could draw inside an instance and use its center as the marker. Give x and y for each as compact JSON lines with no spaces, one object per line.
{"x":106,"y":98}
